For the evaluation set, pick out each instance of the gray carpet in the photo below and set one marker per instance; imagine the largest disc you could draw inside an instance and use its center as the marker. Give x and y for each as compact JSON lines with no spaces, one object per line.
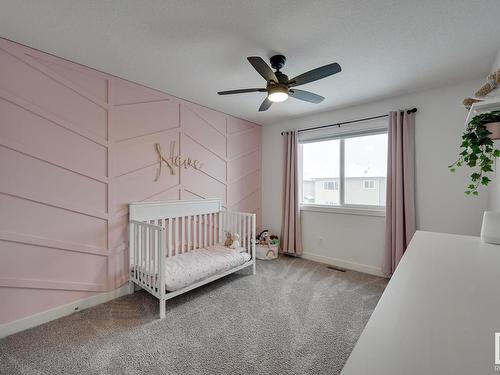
{"x":294,"y":317}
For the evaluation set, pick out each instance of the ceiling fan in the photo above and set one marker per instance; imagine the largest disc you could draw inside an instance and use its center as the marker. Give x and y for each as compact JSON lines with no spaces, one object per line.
{"x":279,"y":87}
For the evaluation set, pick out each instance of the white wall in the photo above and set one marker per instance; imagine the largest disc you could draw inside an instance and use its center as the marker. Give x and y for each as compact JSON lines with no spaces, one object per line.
{"x":494,"y":203}
{"x":495,"y":188}
{"x":441,"y":204}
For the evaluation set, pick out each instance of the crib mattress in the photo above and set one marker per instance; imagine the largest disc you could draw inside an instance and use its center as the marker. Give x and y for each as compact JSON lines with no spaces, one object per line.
{"x":185,"y":269}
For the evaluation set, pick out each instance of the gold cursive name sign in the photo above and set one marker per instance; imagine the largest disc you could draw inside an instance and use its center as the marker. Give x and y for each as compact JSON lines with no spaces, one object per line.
{"x":173,"y":161}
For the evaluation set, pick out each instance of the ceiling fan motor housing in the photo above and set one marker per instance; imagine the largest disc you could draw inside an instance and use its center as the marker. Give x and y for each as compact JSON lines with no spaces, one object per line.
{"x":278,"y":62}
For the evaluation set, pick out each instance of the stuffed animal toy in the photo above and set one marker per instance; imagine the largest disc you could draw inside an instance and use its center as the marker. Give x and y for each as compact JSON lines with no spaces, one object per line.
{"x":261,"y":238}
{"x":229,"y":239}
{"x":492,"y":81}
{"x":235,"y":237}
{"x":469,"y":101}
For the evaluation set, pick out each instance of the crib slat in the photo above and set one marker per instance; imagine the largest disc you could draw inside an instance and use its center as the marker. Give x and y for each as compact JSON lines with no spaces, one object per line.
{"x":188,"y":233}
{"x":244,"y":230}
{"x":143,"y":249}
{"x":176,"y":237}
{"x":239,"y":225}
{"x":210,"y":230}
{"x":130,"y":248}
{"x":152,"y":270}
{"x":204,"y":224}
{"x":207,"y":228}
{"x":214,"y":229}
{"x":136,"y":245}
{"x":137,"y":249}
{"x":150,"y":255}
{"x":145,"y":254}
{"x":219,"y":237}
{"x":152,"y":250}
{"x":170,"y":242}
{"x":195,"y":231}
{"x":249,"y":239}
{"x":183,"y":233}
{"x":236,"y":224}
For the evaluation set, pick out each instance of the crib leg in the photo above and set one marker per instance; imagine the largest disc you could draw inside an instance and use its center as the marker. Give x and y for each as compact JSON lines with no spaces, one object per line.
{"x":131,"y":287}
{"x":253,"y":267}
{"x":163,"y":306}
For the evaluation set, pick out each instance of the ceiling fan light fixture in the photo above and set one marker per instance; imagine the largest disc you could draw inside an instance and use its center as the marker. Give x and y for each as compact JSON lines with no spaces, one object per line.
{"x":277,"y":94}
{"x":279,"y":87}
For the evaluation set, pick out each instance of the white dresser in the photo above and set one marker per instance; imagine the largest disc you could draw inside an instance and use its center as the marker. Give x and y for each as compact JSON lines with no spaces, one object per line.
{"x":438,"y":314}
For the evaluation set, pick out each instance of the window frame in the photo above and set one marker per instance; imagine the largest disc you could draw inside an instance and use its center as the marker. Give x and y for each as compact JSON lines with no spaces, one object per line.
{"x":342,"y":207}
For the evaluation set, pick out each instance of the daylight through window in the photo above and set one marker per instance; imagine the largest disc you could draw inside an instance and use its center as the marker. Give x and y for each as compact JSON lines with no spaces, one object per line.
{"x":347,"y":171}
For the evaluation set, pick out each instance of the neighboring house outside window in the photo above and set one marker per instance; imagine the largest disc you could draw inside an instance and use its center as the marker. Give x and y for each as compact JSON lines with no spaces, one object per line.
{"x":331,"y":185}
{"x":369,"y":184}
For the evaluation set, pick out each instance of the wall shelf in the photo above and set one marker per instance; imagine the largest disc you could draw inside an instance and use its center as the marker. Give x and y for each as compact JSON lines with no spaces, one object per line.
{"x":482,"y":107}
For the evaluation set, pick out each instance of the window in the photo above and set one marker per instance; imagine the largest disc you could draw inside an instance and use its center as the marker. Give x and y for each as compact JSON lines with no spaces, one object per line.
{"x":349,"y":170}
{"x":331,"y":185}
{"x":369,"y":184}
{"x":320,"y":162}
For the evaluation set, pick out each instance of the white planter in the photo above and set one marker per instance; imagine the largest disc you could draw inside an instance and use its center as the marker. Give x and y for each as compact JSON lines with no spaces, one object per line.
{"x":490,"y":230}
{"x":494,"y":128}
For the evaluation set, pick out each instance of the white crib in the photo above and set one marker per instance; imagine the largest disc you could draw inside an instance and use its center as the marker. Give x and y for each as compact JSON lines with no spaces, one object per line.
{"x":160,"y":230}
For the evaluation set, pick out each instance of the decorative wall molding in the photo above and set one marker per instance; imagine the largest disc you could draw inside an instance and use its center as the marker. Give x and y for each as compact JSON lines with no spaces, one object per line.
{"x":52,"y":244}
{"x":70,"y":133}
{"x":35,"y":64}
{"x":18,"y":147}
{"x":51,"y":284}
{"x":57,"y":312}
{"x":64,"y":206}
{"x":49,"y":116}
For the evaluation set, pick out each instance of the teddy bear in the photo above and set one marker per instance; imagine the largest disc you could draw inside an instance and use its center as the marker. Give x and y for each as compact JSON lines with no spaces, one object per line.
{"x":229,"y":239}
{"x":235,"y":237}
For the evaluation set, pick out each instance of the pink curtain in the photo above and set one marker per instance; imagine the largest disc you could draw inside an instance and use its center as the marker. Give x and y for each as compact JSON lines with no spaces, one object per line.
{"x":400,"y":215}
{"x":291,"y":235}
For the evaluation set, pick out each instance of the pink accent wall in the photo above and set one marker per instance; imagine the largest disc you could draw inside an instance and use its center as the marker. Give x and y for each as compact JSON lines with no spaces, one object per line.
{"x":76,"y":146}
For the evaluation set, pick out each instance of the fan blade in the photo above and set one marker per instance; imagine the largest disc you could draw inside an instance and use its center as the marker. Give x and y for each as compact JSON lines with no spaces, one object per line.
{"x":265,"y":105}
{"x":315,"y":74}
{"x":306,"y":96}
{"x":262,"y":68}
{"x":240,"y":91}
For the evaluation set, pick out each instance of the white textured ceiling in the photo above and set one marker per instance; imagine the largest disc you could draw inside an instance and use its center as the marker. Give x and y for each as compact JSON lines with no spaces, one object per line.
{"x":194,"y":48}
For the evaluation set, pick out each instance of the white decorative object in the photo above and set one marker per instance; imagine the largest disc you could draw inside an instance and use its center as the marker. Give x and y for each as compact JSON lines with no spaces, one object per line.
{"x":165,"y":230}
{"x":490,"y":230}
{"x":235,"y":237}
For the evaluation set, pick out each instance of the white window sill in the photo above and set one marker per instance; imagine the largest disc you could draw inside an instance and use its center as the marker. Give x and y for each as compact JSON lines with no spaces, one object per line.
{"x":345,"y":210}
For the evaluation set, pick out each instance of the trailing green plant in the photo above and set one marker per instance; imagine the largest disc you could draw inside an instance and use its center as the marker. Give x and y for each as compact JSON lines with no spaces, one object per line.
{"x":478,"y":151}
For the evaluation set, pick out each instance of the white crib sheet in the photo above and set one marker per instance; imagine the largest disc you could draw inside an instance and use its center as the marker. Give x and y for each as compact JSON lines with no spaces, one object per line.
{"x":185,"y":269}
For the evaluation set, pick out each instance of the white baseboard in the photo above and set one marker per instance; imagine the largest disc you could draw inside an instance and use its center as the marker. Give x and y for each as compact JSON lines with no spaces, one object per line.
{"x":19,"y":325}
{"x":371,"y":270}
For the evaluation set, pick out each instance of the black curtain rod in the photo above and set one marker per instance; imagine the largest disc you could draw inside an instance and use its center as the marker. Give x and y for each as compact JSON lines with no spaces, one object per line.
{"x":413,"y":110}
